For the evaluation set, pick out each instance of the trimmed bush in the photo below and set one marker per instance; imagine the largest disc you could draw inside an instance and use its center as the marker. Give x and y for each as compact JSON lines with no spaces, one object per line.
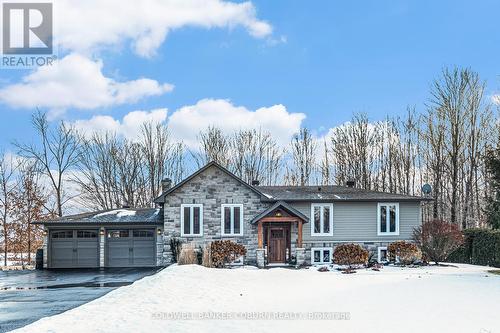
{"x":350,"y":254}
{"x":224,"y":252}
{"x":480,"y":247}
{"x":437,"y":239}
{"x":408,"y":253}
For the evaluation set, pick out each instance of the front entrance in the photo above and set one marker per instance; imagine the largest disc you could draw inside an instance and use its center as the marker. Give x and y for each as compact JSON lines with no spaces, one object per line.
{"x":277,"y":241}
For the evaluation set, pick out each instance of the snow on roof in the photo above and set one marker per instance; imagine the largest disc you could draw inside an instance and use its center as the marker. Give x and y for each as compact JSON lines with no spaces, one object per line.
{"x":118,"y":213}
{"x":122,"y":215}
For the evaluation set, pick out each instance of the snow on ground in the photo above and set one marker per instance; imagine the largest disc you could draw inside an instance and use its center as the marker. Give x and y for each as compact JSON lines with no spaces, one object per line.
{"x":424,"y":299}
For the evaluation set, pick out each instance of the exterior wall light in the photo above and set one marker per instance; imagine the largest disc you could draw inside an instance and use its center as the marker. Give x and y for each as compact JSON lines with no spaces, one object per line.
{"x":158,"y":231}
{"x":101,"y":232}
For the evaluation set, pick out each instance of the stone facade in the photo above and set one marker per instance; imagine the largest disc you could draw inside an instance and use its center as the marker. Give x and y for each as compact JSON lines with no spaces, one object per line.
{"x":212,"y":188}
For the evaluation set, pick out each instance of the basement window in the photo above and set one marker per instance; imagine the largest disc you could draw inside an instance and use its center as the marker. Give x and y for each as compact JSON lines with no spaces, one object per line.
{"x":321,"y":255}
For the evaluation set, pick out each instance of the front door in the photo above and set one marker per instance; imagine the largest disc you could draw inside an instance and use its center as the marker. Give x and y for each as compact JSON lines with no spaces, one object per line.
{"x":277,"y":245}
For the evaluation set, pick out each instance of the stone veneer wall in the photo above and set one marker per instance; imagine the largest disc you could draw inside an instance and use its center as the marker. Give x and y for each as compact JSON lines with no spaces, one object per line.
{"x":212,"y":188}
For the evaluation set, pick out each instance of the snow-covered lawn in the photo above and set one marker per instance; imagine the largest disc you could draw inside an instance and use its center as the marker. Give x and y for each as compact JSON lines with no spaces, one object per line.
{"x":424,"y":299}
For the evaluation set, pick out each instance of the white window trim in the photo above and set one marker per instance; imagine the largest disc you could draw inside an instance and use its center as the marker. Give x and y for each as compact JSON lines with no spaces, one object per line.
{"x":232,"y":221}
{"x":191,"y":220}
{"x":322,"y":249}
{"x":387,"y":233}
{"x":379,"y":250}
{"x":330,"y":205}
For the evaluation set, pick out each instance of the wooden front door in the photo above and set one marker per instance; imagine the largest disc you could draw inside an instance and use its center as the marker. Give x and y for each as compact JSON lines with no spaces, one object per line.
{"x":277,"y":245}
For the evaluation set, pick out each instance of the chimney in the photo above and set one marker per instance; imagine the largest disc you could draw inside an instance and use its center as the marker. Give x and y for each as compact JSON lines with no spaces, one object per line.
{"x":255,"y":182}
{"x":166,"y":184}
{"x":351,"y":183}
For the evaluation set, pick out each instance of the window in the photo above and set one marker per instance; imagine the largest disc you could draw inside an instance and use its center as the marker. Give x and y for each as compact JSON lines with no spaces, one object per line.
{"x":321,"y":255}
{"x":382,"y":254}
{"x":322,"y":219}
{"x":86,"y":234}
{"x":118,"y":233}
{"x":231,"y":220}
{"x":192,"y":220}
{"x":143,"y":233}
{"x":388,"y":219}
{"x":62,"y":234}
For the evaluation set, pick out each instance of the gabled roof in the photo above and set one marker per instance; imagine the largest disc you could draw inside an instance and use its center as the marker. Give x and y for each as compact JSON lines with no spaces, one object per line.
{"x":111,"y":216}
{"x":161,"y":198}
{"x":331,"y":193}
{"x":283,"y":205}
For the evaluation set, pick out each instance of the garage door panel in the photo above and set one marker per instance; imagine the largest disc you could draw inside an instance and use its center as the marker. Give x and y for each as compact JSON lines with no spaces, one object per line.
{"x":62,"y":253}
{"x":118,"y":253}
{"x":131,"y":248}
{"x":144,"y":253}
{"x":67,"y":250}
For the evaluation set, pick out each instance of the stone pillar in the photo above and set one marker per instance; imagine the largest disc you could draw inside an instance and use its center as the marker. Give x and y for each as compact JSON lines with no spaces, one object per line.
{"x":159,"y":247}
{"x":102,"y":245}
{"x":301,"y":256}
{"x":166,"y":254}
{"x":261,"y":260}
{"x":45,"y":248}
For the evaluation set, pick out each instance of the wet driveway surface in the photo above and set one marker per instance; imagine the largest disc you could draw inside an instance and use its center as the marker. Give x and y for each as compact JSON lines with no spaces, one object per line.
{"x":26,"y":296}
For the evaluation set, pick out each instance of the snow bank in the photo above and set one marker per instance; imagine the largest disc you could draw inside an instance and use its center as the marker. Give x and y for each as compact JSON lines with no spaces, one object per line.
{"x":428,"y":299}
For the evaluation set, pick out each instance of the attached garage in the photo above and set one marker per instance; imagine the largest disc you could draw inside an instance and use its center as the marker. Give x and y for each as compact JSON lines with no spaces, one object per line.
{"x":130,"y":248}
{"x":74,"y":248}
{"x":127,"y":237}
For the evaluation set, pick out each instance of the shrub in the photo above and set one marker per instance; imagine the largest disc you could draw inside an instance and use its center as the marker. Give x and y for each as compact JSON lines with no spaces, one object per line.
{"x":224,"y":252}
{"x":188,"y":255}
{"x":175,"y":247}
{"x":484,"y":248}
{"x":480,"y":247}
{"x":437,"y":239}
{"x":350,"y":254}
{"x":408,"y":253}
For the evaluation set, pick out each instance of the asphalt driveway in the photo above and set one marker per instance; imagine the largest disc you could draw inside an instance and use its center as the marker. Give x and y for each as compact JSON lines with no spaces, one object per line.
{"x":26,"y":296}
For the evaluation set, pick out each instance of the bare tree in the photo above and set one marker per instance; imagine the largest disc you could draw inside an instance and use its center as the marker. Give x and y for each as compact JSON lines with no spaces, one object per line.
{"x":56,"y":152}
{"x":163,"y":158}
{"x":255,"y":156}
{"x":7,"y":186}
{"x":28,"y":205}
{"x":303,"y":153}
{"x":214,"y":146}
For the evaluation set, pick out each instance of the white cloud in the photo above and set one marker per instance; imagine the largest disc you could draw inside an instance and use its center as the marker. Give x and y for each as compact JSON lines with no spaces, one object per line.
{"x":188,"y":121}
{"x":77,"y":82}
{"x":129,"y":127}
{"x":85,"y":26}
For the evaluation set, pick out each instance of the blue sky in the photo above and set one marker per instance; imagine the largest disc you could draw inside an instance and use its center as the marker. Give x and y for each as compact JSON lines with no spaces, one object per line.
{"x":325,"y":59}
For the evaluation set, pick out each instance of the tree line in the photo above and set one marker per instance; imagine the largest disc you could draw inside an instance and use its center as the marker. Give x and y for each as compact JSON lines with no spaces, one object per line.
{"x":446,"y":145}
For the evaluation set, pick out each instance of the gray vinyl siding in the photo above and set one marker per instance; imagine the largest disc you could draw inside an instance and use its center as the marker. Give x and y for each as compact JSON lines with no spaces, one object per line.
{"x":357,"y":221}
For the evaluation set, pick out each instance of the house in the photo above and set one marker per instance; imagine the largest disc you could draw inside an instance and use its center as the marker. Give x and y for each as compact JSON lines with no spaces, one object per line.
{"x":278,"y":225}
